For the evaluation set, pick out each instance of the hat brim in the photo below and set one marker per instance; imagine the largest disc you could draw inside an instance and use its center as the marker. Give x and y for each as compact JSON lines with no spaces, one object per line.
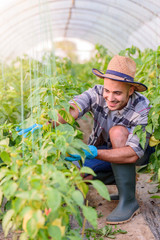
{"x":139,"y":87}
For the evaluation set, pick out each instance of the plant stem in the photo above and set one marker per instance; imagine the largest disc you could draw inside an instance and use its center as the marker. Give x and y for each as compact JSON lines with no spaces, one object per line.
{"x":84,"y":222}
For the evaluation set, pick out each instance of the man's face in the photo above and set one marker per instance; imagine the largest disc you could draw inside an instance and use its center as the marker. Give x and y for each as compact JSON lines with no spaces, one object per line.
{"x":116,"y":94}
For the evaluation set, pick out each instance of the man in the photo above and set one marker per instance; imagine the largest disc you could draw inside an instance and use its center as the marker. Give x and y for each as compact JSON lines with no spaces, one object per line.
{"x":117,"y":109}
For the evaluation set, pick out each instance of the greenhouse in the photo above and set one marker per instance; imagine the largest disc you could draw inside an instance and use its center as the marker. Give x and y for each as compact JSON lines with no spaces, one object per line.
{"x":80,"y":119}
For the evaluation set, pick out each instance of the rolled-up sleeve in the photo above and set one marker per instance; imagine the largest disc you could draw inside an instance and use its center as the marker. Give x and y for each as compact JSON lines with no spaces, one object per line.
{"x":133,"y":140}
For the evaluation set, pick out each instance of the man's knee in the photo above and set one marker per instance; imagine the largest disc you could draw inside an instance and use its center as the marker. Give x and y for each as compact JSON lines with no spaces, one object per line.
{"x":118,"y":136}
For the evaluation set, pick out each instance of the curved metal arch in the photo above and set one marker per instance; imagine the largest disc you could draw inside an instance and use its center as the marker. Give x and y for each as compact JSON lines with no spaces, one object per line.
{"x":130,"y":14}
{"x":81,"y":26}
{"x":63,"y":0}
{"x":101,"y":24}
{"x":96,"y":32}
{"x":40,"y":33}
{"x":100,"y":27}
{"x":93,"y":33}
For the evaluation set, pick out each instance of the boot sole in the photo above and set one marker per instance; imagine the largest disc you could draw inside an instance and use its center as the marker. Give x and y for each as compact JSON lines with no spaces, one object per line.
{"x":121,"y":222}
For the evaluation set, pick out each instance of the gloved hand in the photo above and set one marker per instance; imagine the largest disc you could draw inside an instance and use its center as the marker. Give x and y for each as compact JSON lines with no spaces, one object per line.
{"x":76,"y":157}
{"x":29,"y":129}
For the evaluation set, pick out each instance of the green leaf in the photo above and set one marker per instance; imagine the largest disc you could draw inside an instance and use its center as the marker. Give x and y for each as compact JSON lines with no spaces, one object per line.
{"x":52,"y":114}
{"x":83,"y":187}
{"x":77,"y":143}
{"x":143,"y":139}
{"x":142,"y":169}
{"x":7,"y":219}
{"x":18,"y":204}
{"x":91,"y":215}
{"x":65,"y":105}
{"x":78,"y":197}
{"x":1,"y":195}
{"x":26,"y":169}
{"x":53,"y":199}
{"x":8,"y":227}
{"x":29,"y":195}
{"x":137,"y":128}
{"x":4,"y":142}
{"x":61,"y":143}
{"x":3,"y":172}
{"x":157,"y":133}
{"x":23,"y":236}
{"x":101,"y":188}
{"x":9,"y":188}
{"x":66,"y":116}
{"x":66,"y":128}
{"x":156,"y":101}
{"x":111,"y":236}
{"x":25,"y":210}
{"x":54,"y":232}
{"x":60,"y":180}
{"x":32,"y":227}
{"x":42,"y":234}
{"x":72,"y":150}
{"x":40,"y":219}
{"x":141,"y":135}
{"x":87,"y":170}
{"x":79,"y":134}
{"x":5,"y":157}
{"x":149,"y":128}
{"x":122,"y":231}
{"x":155,"y":118}
{"x":155,"y":196}
{"x":36,"y":184}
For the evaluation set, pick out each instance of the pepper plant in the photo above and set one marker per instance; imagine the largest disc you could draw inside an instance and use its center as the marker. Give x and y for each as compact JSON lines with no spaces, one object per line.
{"x":148,"y":72}
{"x":41,"y":189}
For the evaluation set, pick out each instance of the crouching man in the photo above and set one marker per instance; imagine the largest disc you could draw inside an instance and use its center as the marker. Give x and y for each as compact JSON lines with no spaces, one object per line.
{"x":117,"y":108}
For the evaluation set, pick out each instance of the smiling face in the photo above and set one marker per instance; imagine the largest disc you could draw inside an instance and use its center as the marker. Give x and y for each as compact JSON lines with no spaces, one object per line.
{"x":116,"y":94}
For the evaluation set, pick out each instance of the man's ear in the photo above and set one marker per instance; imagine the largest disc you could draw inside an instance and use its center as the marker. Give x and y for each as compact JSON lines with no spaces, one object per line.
{"x":131,"y":90}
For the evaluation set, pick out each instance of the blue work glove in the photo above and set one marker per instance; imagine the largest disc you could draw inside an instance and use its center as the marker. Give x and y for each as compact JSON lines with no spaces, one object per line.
{"x":31,"y":129}
{"x":76,"y":157}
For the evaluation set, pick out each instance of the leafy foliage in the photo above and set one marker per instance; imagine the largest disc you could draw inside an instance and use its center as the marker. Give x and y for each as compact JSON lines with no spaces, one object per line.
{"x":148,"y":72}
{"x":107,"y":231}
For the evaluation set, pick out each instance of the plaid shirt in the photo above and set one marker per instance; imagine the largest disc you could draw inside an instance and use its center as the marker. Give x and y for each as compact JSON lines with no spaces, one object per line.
{"x":133,"y":114}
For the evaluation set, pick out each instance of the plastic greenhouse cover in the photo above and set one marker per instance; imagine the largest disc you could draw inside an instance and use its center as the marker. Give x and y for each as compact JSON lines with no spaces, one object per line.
{"x":116,"y":24}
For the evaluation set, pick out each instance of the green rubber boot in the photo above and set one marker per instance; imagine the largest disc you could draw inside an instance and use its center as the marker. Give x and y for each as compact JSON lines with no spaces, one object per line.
{"x":127,"y":207}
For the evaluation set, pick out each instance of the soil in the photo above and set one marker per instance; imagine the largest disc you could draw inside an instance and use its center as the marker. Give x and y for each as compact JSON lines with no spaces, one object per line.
{"x":139,"y":228}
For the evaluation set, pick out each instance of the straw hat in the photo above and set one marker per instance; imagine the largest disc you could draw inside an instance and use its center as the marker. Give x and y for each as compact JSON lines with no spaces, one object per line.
{"x":121,"y":69}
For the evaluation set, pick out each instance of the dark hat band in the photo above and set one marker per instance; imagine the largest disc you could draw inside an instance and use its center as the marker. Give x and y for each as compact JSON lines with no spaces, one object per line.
{"x":125,"y":76}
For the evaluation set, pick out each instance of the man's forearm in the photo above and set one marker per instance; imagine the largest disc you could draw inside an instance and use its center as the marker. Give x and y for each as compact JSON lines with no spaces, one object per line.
{"x":118,"y":155}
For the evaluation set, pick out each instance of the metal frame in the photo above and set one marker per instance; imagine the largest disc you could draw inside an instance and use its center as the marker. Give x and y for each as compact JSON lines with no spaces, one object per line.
{"x":115,"y":24}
